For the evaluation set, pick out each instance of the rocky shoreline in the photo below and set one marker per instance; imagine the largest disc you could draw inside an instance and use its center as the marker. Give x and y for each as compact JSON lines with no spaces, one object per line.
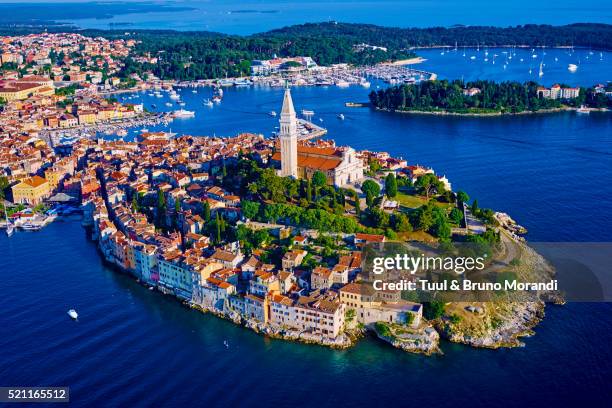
{"x":521,"y":319}
{"x":343,"y":341}
{"x":424,"y":341}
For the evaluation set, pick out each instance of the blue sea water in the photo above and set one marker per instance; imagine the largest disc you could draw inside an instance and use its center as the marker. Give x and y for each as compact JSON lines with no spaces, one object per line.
{"x":251,"y":16}
{"x":133,"y":347}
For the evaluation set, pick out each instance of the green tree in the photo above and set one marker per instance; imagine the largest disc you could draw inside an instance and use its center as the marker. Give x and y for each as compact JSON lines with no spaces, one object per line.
{"x":357,"y":203}
{"x":349,"y":316}
{"x":250,"y":209}
{"x":309,"y":191}
{"x":456,"y":215}
{"x":462,"y":197}
{"x":371,"y":190}
{"x":135,"y":206}
{"x":475,"y":207}
{"x":401,"y":223}
{"x":433,"y":310}
{"x":391,"y":185}
{"x":429,"y":184}
{"x":319,"y":179}
{"x":218,"y":227}
{"x":4,"y":183}
{"x":206,"y":211}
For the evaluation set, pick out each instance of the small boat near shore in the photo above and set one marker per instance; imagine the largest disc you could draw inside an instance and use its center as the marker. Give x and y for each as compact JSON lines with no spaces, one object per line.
{"x":583,"y":109}
{"x":572,"y":67}
{"x":182,"y":113}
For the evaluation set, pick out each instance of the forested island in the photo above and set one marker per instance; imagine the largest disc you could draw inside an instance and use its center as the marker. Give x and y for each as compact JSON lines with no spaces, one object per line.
{"x":481,"y":97}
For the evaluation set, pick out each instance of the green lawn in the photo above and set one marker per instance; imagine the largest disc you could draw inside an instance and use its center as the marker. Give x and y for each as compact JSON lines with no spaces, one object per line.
{"x":414,"y":201}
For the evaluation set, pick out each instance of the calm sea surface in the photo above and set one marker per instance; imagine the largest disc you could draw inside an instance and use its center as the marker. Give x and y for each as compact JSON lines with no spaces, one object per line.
{"x":131,"y":347}
{"x":250,"y":16}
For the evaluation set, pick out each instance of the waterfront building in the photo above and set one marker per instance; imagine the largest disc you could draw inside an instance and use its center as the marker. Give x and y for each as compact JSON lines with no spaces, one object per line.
{"x":145,"y":261}
{"x":31,"y":191}
{"x":213,"y":293}
{"x":256,"y":308}
{"x":282,"y":312}
{"x":174,"y":275}
{"x":319,"y":314}
{"x":558,"y":92}
{"x":372,"y":306}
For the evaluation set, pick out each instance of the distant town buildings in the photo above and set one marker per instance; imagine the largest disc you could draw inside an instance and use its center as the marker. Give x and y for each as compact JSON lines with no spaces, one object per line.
{"x":363,"y":47}
{"x":557,"y":92}
{"x":276,"y":65}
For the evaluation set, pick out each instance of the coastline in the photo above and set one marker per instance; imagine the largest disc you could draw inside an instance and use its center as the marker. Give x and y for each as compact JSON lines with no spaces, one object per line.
{"x":491,"y":114}
{"x":408,"y":61}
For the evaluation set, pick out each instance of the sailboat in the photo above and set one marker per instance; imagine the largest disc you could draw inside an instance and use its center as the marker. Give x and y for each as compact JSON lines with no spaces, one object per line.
{"x":10,"y":229}
{"x":541,"y":73}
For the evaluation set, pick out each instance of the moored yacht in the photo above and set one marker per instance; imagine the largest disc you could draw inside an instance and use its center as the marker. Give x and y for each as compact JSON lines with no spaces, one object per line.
{"x":182,"y":113}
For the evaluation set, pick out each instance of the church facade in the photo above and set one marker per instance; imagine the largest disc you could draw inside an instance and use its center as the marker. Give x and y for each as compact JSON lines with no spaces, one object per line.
{"x":341,"y":166}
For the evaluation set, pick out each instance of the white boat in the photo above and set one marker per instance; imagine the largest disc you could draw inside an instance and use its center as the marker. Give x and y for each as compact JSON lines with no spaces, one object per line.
{"x":242,"y":82}
{"x":73,"y":314}
{"x":365,"y":84}
{"x":9,"y":227}
{"x":182,"y":113}
{"x":272,"y":113}
{"x":181,"y":103}
{"x":342,"y":84}
{"x":341,"y":116}
{"x":30,"y":227}
{"x":572,"y":67}
{"x":174,"y":96}
{"x":541,"y":72}
{"x":208,"y":102}
{"x":583,"y":109}
{"x":194,"y":91}
{"x":168,"y":104}
{"x":473,"y":57}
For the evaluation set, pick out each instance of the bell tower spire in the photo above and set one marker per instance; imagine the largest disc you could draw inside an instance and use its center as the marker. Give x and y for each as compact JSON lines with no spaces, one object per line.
{"x":288,"y":136}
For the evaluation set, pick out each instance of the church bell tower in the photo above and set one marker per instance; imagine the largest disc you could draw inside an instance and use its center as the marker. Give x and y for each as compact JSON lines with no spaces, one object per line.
{"x":288,"y":137}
